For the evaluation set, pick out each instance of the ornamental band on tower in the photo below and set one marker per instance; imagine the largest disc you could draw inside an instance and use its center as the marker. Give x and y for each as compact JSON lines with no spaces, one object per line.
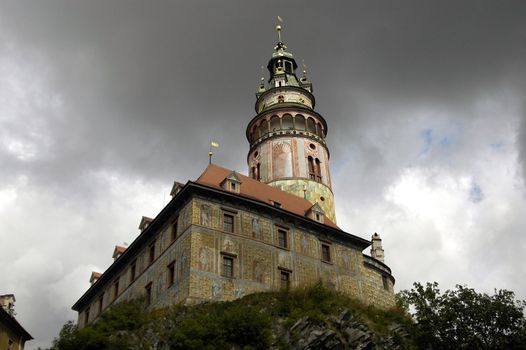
{"x":226,"y":235}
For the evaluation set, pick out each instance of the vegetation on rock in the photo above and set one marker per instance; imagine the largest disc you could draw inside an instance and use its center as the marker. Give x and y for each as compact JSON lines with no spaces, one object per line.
{"x":312,"y":318}
{"x":279,"y":320}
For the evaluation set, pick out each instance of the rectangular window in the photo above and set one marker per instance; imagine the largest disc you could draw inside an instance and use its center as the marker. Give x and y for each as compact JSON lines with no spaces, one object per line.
{"x":325,"y":252}
{"x":101,"y":302}
{"x":228,"y":222}
{"x":171,"y":273}
{"x":86,"y":316}
{"x":385,"y":282}
{"x":133,"y":271}
{"x":228,"y":266}
{"x":282,"y":238}
{"x":115,"y":289}
{"x":174,"y":229}
{"x":284,"y":279}
{"x":151,"y":253}
{"x":148,"y":290}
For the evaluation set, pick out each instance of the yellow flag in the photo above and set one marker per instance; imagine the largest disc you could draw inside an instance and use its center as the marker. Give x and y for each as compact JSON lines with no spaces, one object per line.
{"x":214,"y":144}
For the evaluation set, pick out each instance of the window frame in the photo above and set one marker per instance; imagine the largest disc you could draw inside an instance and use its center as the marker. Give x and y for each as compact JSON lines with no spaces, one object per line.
{"x":115,"y":289}
{"x":149,"y":296}
{"x":101,"y":303}
{"x":326,"y":248}
{"x":228,"y":257}
{"x":151,"y":253}
{"x":86,"y":315}
{"x":175,"y":230}
{"x":287,"y":281}
{"x":283,"y":232}
{"x":171,"y":273}
{"x":233,"y":223}
{"x":133,"y":271}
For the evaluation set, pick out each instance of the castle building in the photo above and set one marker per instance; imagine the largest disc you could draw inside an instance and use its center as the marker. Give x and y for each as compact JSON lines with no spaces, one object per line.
{"x":12,"y":335}
{"x":226,"y":235}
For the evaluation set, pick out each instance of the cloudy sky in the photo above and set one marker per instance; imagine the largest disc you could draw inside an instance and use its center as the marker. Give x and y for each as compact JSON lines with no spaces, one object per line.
{"x":103,"y":104}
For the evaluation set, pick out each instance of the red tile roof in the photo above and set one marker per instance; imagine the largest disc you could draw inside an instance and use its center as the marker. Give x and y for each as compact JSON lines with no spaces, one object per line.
{"x":253,"y":189}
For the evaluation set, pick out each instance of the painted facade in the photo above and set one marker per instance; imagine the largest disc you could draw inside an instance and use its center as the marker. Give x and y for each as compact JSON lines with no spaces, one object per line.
{"x":226,"y":235}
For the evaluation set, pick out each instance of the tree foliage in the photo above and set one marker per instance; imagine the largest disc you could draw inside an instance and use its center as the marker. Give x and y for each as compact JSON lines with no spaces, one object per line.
{"x":465,"y":319}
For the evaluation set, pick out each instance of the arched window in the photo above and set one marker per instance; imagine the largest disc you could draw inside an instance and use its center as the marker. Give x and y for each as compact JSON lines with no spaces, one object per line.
{"x":312,"y":173}
{"x":299,"y":121}
{"x":258,"y":172}
{"x":263,"y":128}
{"x":317,"y":170}
{"x":320,"y":130}
{"x":288,"y":67}
{"x":311,"y":126}
{"x":281,"y":99}
{"x":286,"y":122}
{"x":274,"y":123}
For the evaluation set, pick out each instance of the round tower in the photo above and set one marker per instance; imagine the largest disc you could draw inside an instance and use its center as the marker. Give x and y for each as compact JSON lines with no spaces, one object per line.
{"x":287,"y":137}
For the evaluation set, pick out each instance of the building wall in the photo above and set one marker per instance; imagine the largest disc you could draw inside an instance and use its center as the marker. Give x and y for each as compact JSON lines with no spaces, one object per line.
{"x":198,"y":251}
{"x":258,"y":259}
{"x":7,"y":335}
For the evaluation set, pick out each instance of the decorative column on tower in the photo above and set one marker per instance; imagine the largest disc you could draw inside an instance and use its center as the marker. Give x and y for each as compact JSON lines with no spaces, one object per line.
{"x":287,"y":137}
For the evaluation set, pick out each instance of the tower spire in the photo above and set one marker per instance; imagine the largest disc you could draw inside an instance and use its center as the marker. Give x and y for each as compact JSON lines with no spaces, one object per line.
{"x":280,"y":45}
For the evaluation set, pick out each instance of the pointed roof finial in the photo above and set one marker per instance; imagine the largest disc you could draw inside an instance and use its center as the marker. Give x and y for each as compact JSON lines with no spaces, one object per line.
{"x":280,"y":45}
{"x":278,"y":28}
{"x":262,"y":74}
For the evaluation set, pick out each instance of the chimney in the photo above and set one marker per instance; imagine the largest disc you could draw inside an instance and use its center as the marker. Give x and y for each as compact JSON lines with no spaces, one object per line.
{"x":377,"y":251}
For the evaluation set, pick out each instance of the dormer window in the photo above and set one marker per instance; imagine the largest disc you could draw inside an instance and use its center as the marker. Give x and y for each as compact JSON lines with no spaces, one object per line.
{"x":176,"y":188}
{"x":232,"y":183}
{"x":145,"y":222}
{"x":94,"y":277}
{"x":316,"y":213}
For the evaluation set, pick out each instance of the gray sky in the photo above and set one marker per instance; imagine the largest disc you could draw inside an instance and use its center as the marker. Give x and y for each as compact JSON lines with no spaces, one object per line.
{"x":103,"y":104}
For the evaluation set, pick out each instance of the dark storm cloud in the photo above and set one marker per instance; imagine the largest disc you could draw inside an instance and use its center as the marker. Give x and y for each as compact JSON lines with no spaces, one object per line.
{"x":128,"y":93}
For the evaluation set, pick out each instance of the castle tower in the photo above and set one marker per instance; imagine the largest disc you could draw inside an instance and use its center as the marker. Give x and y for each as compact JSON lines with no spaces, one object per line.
{"x":287,"y":137}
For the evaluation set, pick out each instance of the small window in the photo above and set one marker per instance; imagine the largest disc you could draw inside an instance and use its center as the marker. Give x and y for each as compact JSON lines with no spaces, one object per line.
{"x":86,"y":316}
{"x":101,"y":303}
{"x":325,"y":252}
{"x":282,"y":238}
{"x":228,"y":222}
{"x":171,"y":273}
{"x":284,"y":279}
{"x":115,"y":289}
{"x":233,"y":186}
{"x":276,"y":204}
{"x":148,"y":290}
{"x":133,"y":271}
{"x":385,"y":282}
{"x":318,"y":217}
{"x":151,"y":253}
{"x":174,"y":229}
{"x":228,"y":266}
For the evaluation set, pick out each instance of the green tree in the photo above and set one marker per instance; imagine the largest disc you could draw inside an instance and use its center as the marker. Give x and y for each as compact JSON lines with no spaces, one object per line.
{"x":464,"y":319}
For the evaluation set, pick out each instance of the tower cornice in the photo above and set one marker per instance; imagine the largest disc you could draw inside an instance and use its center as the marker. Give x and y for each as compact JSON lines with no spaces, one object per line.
{"x":262,"y":96}
{"x":285,"y":107}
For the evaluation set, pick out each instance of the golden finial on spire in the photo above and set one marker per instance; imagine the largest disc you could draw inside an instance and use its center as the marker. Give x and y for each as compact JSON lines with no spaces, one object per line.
{"x":278,"y":28}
